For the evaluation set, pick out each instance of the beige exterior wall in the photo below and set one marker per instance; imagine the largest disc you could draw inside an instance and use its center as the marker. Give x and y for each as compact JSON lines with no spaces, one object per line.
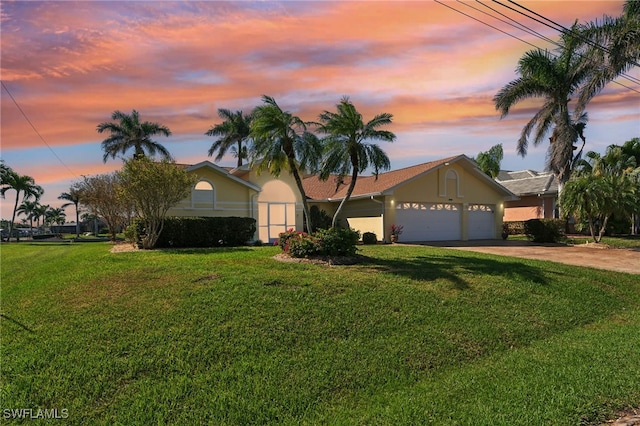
{"x":279,"y":205}
{"x":449,"y":184}
{"x":228,"y":198}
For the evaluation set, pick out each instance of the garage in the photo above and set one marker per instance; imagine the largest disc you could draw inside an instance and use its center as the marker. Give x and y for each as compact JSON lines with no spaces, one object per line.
{"x":429,"y":221}
{"x":481,"y":222}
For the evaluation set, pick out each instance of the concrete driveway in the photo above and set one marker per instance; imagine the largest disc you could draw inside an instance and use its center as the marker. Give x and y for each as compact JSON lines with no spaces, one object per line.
{"x":591,"y":255}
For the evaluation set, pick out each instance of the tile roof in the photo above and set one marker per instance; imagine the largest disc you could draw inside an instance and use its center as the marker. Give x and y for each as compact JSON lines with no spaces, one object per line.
{"x":365,"y":185}
{"x":528,"y":182}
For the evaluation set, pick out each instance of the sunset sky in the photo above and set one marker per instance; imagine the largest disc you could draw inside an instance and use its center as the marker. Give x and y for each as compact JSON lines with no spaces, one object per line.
{"x":69,"y":65}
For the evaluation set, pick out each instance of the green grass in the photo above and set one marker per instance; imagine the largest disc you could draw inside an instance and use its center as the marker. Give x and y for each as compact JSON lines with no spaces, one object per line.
{"x":415,"y":335}
{"x":627,"y":241}
{"x":622,"y":241}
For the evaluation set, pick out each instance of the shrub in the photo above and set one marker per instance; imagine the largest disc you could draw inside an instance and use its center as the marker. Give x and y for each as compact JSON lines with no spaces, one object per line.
{"x":131,"y":234}
{"x":303,"y":245}
{"x":329,"y":242}
{"x":202,"y":231}
{"x":369,"y":238}
{"x":320,"y":218}
{"x":338,"y":241}
{"x":514,"y":227}
{"x":284,"y":237}
{"x":544,"y":230}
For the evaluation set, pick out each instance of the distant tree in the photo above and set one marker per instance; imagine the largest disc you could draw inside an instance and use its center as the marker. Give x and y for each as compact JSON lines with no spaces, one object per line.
{"x":102,"y":194}
{"x":56,"y":216}
{"x":22,"y":185}
{"x":40,"y":213}
{"x":28,"y":209}
{"x":73,"y":196}
{"x":603,"y":185}
{"x":130,"y":133}
{"x":153,"y":188}
{"x":347,"y":146}
{"x":4,"y":172}
{"x":489,"y":161}
{"x":281,"y":142}
{"x":234,"y":131}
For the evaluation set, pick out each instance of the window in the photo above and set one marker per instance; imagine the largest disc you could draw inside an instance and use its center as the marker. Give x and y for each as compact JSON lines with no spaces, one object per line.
{"x":203,"y":195}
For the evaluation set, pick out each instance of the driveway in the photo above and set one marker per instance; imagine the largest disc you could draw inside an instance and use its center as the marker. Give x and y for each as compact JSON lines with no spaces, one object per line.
{"x":621,"y":260}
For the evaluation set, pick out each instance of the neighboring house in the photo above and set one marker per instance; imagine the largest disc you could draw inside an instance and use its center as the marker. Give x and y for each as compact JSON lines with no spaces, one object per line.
{"x":448,"y":199}
{"x":538,"y":192}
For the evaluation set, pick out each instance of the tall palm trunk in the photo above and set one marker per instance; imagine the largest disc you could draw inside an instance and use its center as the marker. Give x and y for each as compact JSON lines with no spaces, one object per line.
{"x":305,"y":205}
{"x":13,"y":218}
{"x":352,"y":185}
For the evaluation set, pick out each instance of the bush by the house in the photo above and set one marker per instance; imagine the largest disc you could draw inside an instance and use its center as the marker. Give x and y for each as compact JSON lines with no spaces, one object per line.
{"x":338,"y":241}
{"x":369,"y":238}
{"x":320,"y":218}
{"x":515,"y":227}
{"x":182,"y":232}
{"x":304,"y":245}
{"x":544,"y":230}
{"x":326,"y":242}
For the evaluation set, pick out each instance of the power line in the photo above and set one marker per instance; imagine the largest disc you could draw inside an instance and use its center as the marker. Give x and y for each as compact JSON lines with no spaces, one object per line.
{"x":561,"y":28}
{"x":484,"y":23}
{"x":530,"y":31}
{"x":515,"y":24}
{"x":34,"y":128}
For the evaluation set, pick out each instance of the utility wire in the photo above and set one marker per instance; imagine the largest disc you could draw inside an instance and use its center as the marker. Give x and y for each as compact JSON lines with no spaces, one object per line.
{"x":562,"y":29}
{"x":484,"y":23}
{"x":633,"y":79}
{"x":34,"y":128}
{"x":515,"y":23}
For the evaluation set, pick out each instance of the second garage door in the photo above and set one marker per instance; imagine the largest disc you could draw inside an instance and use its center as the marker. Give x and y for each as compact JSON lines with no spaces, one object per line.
{"x":481,"y":222}
{"x":429,"y":221}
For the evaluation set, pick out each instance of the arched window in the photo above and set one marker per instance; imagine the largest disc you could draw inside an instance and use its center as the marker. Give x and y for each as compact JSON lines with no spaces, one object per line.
{"x":203,"y":195}
{"x":452,"y":184}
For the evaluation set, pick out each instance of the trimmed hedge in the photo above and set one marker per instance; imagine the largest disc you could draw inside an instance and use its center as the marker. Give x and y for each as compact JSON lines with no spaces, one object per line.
{"x":515,"y":227}
{"x":182,"y":232}
{"x":544,"y":230}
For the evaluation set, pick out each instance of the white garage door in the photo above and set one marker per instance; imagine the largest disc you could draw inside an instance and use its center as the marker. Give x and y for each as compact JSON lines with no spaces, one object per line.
{"x":429,"y":221}
{"x":481,"y":222}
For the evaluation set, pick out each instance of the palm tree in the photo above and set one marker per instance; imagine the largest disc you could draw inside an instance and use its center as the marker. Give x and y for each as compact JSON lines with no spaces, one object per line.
{"x":40,"y":212}
{"x":28,"y":209}
{"x":73,"y":196}
{"x":281,"y":142}
{"x":56,"y":215}
{"x":131,"y":133}
{"x":601,"y":187}
{"x":347,"y":146}
{"x":21,"y":184}
{"x":613,"y":44}
{"x":233,"y":131}
{"x":555,"y":79}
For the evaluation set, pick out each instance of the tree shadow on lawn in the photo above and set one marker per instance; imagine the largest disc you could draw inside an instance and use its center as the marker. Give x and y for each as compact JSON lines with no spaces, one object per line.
{"x":454,"y":268}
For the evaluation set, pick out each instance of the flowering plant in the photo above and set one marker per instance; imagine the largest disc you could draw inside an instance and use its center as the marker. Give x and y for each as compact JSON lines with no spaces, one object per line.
{"x":396,"y":229}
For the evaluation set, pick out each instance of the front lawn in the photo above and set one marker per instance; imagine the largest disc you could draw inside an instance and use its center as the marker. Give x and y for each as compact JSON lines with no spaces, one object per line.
{"x":415,"y":335}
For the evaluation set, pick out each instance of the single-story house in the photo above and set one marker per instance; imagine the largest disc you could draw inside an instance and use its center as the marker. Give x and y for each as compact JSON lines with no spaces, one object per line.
{"x":448,"y":199}
{"x":537,"y":192}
